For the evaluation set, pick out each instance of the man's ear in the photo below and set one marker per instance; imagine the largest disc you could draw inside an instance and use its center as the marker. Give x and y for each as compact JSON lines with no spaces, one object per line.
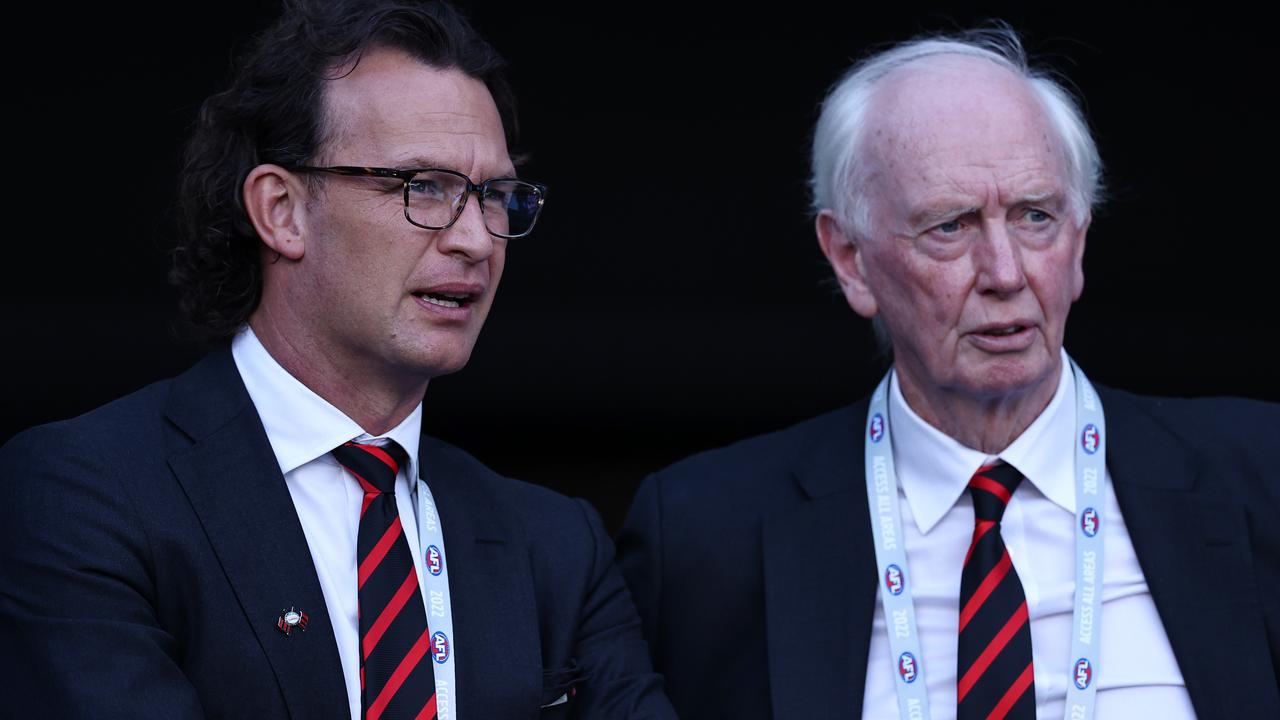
{"x":849,"y":263}
{"x":275,"y":200}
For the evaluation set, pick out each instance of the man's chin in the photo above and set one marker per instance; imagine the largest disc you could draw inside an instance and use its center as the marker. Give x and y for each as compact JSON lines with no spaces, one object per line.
{"x":1014,"y":375}
{"x":439,"y":367}
{"x":425,"y":363}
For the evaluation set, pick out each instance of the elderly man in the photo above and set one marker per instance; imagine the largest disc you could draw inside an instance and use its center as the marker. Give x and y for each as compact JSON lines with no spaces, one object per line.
{"x":986,"y":536}
{"x":269,"y":535}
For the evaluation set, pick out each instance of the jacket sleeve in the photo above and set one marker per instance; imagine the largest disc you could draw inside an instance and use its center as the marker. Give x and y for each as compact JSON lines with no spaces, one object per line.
{"x":79,"y":636}
{"x":620,"y":682}
{"x":640,"y":559}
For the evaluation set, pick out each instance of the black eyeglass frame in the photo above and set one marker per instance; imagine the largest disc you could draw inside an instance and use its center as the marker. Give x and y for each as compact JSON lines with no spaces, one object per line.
{"x":407,"y":176}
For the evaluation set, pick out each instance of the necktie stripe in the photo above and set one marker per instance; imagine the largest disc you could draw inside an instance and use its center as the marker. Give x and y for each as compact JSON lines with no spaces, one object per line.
{"x":1014,"y":694}
{"x":406,"y":704}
{"x":385,"y":581}
{"x":985,"y":483}
{"x":397,"y":678}
{"x":988,"y":586}
{"x":407,"y":590}
{"x":360,"y":462}
{"x":993,"y":649}
{"x":380,"y":454}
{"x":365,"y":485}
{"x":409,"y":697}
{"x":428,"y":710}
{"x":980,"y":529}
{"x":379,"y":551}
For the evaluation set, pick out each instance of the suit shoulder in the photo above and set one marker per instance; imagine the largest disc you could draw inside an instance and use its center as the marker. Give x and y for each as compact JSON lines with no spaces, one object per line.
{"x":1249,"y":425}
{"x":81,"y":470}
{"x":129,"y":421}
{"x":530,"y":502}
{"x":1231,"y":441}
{"x":74,"y":483}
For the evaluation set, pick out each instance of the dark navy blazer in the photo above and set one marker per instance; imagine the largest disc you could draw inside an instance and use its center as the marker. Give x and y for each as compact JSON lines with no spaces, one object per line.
{"x":755,"y":575}
{"x":148,"y":548}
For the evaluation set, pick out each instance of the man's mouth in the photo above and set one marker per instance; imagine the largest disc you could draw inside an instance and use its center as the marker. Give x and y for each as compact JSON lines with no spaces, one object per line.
{"x":1004,"y":330}
{"x":448,"y":300}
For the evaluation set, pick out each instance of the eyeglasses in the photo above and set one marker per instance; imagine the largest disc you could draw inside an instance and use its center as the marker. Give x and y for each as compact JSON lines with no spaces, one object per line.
{"x":434,"y":198}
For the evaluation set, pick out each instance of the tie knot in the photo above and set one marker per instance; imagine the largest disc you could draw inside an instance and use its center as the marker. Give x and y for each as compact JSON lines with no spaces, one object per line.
{"x":991,"y":487}
{"x":374,"y":466}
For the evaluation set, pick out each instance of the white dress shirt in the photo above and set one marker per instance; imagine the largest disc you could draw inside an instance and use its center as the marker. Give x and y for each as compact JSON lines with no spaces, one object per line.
{"x":1137,"y":674}
{"x":303,"y":429}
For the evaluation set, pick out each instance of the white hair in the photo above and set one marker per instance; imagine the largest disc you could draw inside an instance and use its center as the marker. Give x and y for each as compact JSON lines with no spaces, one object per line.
{"x":838,"y":155}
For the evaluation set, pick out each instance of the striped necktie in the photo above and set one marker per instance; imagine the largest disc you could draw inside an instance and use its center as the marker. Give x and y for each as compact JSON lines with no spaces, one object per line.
{"x":993,"y":659}
{"x":396,"y":677}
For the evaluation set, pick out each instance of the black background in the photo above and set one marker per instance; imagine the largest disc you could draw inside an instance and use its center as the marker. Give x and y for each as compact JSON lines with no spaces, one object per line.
{"x":673,"y":297}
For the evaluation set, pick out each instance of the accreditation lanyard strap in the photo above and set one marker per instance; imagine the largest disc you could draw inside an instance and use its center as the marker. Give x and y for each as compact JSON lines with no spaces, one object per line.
{"x":891,"y":556}
{"x":439,"y":608}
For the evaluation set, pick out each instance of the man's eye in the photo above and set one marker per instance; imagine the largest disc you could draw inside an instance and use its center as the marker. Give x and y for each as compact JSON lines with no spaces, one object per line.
{"x":1038,"y":216}
{"x":950,"y":227}
{"x":497,"y":197}
{"x":426,"y":188}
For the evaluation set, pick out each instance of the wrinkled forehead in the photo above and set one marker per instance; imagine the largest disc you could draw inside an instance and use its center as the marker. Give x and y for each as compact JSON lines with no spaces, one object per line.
{"x":957,"y":107}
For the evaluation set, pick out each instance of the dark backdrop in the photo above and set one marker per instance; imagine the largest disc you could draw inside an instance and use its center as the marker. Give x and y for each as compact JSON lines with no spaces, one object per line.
{"x":673,"y":297}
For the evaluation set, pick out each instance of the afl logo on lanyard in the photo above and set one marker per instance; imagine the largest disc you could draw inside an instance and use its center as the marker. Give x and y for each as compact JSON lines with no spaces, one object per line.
{"x":1089,"y":522}
{"x":1090,"y":439}
{"x":435,"y":561}
{"x":440,"y":647}
{"x":907,"y":667}
{"x":875,"y":429}
{"x":893,"y":581}
{"x":1084,"y":673}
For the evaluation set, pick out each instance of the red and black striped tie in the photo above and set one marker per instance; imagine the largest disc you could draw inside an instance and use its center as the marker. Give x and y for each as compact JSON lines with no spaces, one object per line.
{"x":993,"y":660}
{"x":396,"y":677}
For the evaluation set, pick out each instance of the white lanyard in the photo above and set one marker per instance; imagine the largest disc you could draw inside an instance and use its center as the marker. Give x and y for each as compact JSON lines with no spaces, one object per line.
{"x":891,"y":556}
{"x":1086,"y":620}
{"x":439,"y":608}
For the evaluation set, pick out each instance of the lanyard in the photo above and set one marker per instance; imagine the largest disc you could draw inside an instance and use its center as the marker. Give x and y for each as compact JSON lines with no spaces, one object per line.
{"x":891,"y":555}
{"x":439,"y":609}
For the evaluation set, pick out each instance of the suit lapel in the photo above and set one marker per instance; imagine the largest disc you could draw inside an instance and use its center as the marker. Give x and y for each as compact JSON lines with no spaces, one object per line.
{"x":1193,"y":546}
{"x":819,"y":570}
{"x":495,"y":612}
{"x":233,"y":482}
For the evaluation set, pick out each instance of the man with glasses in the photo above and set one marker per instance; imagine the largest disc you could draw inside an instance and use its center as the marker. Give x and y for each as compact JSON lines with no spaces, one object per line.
{"x":269,"y":534}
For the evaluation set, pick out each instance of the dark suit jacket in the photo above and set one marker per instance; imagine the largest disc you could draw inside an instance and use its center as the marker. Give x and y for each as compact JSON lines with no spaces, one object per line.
{"x":148,"y":548}
{"x":754,"y":571}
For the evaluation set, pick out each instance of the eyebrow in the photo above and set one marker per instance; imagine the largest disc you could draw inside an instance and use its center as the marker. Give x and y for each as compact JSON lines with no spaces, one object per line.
{"x":419,"y":162}
{"x":1040,"y":197}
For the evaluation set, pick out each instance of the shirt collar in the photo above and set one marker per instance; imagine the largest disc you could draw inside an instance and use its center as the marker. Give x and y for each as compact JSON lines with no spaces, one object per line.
{"x":302,"y":426}
{"x":936,"y":469}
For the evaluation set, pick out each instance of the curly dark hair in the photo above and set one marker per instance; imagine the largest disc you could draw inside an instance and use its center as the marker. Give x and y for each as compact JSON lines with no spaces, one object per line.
{"x":272,"y":113}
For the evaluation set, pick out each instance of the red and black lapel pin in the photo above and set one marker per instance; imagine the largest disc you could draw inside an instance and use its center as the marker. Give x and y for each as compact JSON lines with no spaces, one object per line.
{"x":291,"y":620}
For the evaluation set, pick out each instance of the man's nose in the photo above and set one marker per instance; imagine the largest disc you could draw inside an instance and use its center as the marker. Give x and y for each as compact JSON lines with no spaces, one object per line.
{"x":467,"y":237}
{"x":998,"y":260}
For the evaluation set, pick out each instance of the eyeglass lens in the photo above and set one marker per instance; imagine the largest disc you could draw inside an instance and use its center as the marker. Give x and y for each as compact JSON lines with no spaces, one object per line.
{"x":510,"y":207}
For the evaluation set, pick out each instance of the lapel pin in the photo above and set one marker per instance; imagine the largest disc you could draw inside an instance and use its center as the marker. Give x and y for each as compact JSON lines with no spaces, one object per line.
{"x":292,"y":619}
